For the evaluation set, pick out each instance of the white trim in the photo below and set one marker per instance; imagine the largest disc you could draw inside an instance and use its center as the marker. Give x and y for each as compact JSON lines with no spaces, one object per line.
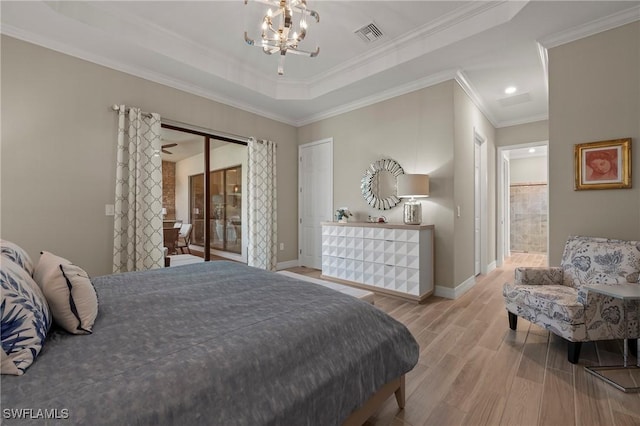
{"x":480,"y":141}
{"x":491,"y":266}
{"x":287,"y":264}
{"x":142,"y":73}
{"x":222,"y":99}
{"x":463,"y":81}
{"x":516,"y":122}
{"x":543,"y":53}
{"x":504,"y":227}
{"x":454,"y":293}
{"x":422,"y":83}
{"x":590,"y":28}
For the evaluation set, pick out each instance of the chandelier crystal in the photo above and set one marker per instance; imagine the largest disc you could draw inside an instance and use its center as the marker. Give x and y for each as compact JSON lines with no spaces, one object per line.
{"x":284,"y":38}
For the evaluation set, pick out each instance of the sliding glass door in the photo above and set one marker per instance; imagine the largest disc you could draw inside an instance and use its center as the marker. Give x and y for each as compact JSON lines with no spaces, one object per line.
{"x":225,"y":210}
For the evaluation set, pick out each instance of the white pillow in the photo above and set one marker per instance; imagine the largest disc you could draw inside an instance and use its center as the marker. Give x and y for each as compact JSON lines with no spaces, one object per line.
{"x":69,"y":292}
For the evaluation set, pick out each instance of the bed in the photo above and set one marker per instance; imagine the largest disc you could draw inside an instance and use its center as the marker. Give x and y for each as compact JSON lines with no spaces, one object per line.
{"x":218,"y":343}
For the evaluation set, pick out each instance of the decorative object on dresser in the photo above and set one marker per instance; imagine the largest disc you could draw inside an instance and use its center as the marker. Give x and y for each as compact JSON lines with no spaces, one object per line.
{"x":378,"y":184}
{"x":394,"y":259}
{"x":413,"y":186}
{"x":343,"y":214}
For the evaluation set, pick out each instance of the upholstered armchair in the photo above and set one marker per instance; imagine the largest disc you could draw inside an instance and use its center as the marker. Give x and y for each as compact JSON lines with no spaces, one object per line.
{"x":555,"y":297}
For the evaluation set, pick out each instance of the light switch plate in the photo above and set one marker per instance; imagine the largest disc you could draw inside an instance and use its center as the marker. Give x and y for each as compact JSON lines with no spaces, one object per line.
{"x":109,"y":210}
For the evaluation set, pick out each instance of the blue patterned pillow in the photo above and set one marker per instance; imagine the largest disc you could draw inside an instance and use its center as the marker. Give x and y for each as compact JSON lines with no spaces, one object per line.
{"x":25,"y":318}
{"x":15,"y":253}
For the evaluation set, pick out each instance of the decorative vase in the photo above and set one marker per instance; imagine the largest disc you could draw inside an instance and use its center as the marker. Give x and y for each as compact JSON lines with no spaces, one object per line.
{"x":342,"y":220}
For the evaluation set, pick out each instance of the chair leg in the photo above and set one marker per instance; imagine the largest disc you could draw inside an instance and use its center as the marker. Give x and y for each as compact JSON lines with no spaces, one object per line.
{"x":574,"y":352}
{"x":513,"y":320}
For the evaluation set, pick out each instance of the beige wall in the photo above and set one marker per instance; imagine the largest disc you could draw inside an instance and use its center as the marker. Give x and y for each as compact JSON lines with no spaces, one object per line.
{"x":537,"y":131}
{"x":528,"y":170}
{"x":58,"y":150}
{"x":420,"y":132}
{"x":594,"y":94}
{"x":468,"y":119}
{"x":416,"y":130}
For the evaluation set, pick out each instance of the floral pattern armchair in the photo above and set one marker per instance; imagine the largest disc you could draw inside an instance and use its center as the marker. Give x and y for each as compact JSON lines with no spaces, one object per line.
{"x":555,"y":297}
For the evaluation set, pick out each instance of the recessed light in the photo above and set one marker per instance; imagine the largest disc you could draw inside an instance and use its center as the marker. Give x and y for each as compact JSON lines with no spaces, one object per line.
{"x":510,"y":90}
{"x":532,"y":150}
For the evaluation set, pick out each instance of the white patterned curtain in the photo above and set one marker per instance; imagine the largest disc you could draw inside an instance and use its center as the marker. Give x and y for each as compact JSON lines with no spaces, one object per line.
{"x":137,"y":233}
{"x":261,"y":205}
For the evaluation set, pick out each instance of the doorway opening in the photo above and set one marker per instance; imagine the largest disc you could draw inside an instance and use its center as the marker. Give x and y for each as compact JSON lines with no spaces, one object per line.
{"x":523,"y":195}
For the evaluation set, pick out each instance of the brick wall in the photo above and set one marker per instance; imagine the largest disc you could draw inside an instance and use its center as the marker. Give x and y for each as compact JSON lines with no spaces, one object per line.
{"x":169,"y":189}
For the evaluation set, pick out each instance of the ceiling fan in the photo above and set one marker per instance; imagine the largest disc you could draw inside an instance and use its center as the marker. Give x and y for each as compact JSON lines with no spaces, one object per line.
{"x":169,"y":145}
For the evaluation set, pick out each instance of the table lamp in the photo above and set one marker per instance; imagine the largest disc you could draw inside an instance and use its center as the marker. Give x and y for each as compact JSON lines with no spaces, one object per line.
{"x":412,"y":187}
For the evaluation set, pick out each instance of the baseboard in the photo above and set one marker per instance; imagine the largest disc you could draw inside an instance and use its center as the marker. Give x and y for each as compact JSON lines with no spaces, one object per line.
{"x":454,"y":293}
{"x":287,"y":264}
{"x":490,"y":267}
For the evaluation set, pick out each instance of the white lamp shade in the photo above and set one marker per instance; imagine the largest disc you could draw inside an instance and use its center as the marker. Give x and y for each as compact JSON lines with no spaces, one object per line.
{"x":164,"y":210}
{"x":413,"y":186}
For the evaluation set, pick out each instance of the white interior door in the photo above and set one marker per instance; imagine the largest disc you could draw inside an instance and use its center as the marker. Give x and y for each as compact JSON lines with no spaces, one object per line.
{"x":315,"y":199}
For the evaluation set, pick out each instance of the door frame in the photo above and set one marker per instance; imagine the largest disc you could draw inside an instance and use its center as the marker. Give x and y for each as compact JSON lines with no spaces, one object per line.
{"x":328,"y":141}
{"x":504,"y":225}
{"x":481,"y":191}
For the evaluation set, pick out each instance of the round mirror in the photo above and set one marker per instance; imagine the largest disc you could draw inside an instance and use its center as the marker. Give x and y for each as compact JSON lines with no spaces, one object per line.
{"x":378,"y":185}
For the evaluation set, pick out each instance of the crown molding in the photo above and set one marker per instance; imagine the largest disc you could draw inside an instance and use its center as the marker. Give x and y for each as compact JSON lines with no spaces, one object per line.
{"x":452,"y":27}
{"x":468,"y":88}
{"x":459,"y":76}
{"x":543,"y":54}
{"x":138,"y":72}
{"x":594,"y":27}
{"x":525,"y":120}
{"x":379,"y":97}
{"x":458,"y":24}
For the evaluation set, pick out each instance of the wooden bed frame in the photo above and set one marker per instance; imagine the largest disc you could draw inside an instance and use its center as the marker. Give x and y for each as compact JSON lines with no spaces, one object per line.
{"x":371,"y":406}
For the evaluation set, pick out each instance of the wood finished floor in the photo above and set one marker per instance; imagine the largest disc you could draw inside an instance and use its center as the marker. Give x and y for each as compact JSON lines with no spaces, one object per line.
{"x":473,"y":370}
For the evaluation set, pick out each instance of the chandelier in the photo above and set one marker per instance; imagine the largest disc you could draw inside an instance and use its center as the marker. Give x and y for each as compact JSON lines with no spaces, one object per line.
{"x":283,"y":38}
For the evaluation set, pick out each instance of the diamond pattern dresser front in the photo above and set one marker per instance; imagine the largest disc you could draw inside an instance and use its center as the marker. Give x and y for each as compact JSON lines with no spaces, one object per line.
{"x":389,"y":258}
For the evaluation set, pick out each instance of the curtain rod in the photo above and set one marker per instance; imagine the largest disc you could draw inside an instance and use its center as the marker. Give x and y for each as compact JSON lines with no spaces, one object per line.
{"x":116,"y":108}
{"x":177,"y":125}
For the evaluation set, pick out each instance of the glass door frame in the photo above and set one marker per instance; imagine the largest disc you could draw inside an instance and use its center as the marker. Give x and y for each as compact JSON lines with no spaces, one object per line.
{"x":181,"y":127}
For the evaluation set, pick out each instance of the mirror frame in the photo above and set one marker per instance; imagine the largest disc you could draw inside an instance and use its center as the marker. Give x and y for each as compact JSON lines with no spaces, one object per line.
{"x":366,"y":184}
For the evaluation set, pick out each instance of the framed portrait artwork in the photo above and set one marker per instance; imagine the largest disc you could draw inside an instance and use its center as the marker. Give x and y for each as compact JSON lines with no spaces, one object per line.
{"x":603,"y":164}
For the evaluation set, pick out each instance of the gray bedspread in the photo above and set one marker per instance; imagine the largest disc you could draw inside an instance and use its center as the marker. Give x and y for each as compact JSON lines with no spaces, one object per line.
{"x":215,"y":343}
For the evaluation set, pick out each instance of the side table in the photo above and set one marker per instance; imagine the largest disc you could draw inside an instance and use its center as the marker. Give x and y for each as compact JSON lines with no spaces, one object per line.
{"x":614,"y":373}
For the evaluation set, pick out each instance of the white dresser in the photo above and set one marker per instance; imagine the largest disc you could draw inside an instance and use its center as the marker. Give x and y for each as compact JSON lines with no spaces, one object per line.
{"x":389,"y":258}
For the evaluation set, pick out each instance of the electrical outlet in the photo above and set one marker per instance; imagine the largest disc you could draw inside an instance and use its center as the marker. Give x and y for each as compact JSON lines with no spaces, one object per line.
{"x":281,"y":246}
{"x":109,"y":210}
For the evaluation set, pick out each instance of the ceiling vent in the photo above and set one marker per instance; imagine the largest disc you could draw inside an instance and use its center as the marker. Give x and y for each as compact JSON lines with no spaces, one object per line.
{"x":515,"y":100}
{"x":369,"y":33}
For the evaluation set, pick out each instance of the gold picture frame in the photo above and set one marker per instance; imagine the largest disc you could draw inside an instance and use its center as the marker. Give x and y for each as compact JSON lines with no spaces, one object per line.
{"x":603,"y":164}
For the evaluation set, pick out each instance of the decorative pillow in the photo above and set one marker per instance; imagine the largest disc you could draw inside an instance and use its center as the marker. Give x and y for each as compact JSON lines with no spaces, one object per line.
{"x":68,"y":289}
{"x":25,"y":318}
{"x":594,"y":260}
{"x":15,"y":253}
